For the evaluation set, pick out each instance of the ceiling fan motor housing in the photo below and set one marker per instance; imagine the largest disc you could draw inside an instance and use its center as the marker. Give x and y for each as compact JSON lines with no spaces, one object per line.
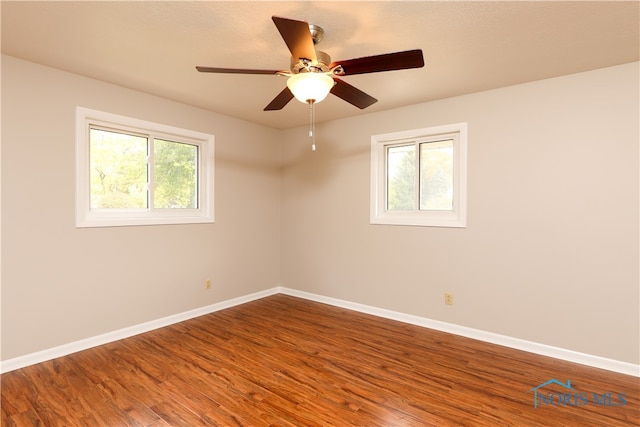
{"x":303,"y":65}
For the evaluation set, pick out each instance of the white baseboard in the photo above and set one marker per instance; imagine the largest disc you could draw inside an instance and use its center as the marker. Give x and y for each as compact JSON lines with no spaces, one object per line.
{"x":503,"y":340}
{"x":65,"y":349}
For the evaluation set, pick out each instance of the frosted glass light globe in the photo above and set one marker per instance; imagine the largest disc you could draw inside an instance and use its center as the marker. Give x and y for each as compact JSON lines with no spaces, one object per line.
{"x":310,"y":86}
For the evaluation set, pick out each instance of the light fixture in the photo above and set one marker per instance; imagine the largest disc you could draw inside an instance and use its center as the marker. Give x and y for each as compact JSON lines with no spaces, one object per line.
{"x":310,"y":87}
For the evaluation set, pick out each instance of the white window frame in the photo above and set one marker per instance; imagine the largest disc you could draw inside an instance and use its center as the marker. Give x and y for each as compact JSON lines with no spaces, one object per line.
{"x":87,"y":217}
{"x":427,"y":218}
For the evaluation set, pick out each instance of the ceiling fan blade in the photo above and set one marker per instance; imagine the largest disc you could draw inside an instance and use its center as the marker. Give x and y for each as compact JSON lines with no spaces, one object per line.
{"x":351,"y":94}
{"x":280,"y":101}
{"x":236,"y":71}
{"x":297,"y":36}
{"x":385,"y":62}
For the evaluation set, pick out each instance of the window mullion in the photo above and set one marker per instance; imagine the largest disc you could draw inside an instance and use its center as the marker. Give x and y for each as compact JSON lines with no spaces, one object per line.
{"x":416,"y":199}
{"x":150,"y":173}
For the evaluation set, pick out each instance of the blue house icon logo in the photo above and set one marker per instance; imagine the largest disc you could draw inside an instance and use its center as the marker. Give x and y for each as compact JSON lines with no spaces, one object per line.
{"x":544,"y":384}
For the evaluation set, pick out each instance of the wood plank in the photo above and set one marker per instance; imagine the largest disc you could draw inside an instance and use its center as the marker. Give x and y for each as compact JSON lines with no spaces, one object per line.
{"x":284,"y":361}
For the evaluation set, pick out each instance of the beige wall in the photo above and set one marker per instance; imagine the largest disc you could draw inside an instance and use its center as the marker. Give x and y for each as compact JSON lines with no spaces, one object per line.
{"x":61,"y":284}
{"x":550,"y":253}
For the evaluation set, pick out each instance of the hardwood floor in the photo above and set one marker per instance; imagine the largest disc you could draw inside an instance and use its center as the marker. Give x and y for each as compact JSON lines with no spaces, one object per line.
{"x":283,"y":361}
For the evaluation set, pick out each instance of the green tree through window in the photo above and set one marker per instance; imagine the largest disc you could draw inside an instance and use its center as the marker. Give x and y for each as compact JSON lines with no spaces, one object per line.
{"x":436,"y":175}
{"x":401,"y":185}
{"x":120,"y":172}
{"x":118,"y":165}
{"x":435,"y":165}
{"x":175,"y":175}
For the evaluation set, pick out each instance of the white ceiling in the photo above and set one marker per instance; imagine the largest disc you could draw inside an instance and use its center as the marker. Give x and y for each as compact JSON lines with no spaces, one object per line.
{"x":153,"y":46}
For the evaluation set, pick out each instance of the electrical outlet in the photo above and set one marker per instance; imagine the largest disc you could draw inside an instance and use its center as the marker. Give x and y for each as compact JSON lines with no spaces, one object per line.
{"x":207,"y":284}
{"x":448,"y":298}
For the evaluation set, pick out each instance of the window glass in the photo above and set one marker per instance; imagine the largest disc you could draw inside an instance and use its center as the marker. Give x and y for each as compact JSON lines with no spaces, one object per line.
{"x":401,"y":177}
{"x":175,"y":178}
{"x":436,"y":176}
{"x":118,"y":167}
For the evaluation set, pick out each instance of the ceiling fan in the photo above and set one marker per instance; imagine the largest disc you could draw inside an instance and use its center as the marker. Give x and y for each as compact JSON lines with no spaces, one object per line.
{"x":312,"y":75}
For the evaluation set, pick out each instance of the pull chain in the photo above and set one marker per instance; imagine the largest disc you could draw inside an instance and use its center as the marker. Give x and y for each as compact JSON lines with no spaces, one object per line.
{"x":312,"y":125}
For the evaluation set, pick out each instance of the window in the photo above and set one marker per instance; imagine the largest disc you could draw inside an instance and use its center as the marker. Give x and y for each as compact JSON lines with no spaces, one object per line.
{"x":418,"y":177}
{"x":133,"y":172}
